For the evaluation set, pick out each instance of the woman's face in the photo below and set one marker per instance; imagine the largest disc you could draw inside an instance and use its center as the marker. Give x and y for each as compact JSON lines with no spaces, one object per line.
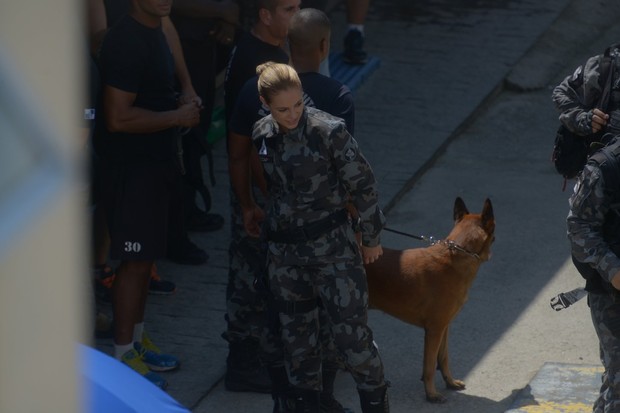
{"x":286,"y":107}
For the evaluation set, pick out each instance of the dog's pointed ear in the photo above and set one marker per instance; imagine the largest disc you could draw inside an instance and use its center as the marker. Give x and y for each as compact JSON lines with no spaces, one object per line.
{"x":487,"y":216}
{"x":459,"y":209}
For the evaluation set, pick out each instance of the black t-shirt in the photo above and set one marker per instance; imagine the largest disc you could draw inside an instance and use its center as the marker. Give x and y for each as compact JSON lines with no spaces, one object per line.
{"x":115,"y":9}
{"x":321,"y":92}
{"x":94,"y":92}
{"x":137,"y":59}
{"x":245,"y":57}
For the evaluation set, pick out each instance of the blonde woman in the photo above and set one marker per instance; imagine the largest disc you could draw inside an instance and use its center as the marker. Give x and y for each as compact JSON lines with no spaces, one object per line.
{"x":314,"y":168}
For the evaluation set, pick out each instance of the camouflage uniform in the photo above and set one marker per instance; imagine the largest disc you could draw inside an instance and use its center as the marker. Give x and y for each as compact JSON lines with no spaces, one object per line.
{"x":578,"y":94}
{"x":245,"y":309}
{"x":313,"y":171}
{"x":594,"y":233}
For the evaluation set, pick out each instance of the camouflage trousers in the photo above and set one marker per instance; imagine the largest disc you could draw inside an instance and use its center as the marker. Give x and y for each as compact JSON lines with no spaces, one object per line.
{"x":246,"y":309}
{"x":247,"y":312}
{"x":605,"y":311}
{"x":342,"y":290}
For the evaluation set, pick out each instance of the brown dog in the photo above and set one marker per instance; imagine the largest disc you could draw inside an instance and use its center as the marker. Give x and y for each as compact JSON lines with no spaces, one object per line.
{"x":427,"y":287}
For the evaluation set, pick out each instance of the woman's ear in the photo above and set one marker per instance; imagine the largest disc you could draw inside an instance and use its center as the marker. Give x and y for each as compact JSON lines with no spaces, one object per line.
{"x":263,"y":101}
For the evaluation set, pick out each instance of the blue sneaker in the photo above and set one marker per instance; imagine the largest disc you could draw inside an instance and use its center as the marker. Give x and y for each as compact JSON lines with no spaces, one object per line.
{"x":134,"y":361}
{"x":154,"y":359}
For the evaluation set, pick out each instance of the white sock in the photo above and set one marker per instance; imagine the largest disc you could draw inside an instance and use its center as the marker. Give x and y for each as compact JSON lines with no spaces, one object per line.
{"x":120,"y":349}
{"x":138,"y":329}
{"x":359,"y":27}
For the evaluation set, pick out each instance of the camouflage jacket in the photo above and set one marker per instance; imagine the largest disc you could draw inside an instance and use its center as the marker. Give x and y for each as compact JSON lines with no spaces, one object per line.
{"x":578,"y":94}
{"x":313,"y":171}
{"x":593,"y":218}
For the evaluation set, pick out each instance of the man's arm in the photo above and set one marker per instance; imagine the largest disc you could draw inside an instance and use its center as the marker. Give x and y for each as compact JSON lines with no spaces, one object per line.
{"x":577,"y":95}
{"x":97,"y":24}
{"x":188,"y":94}
{"x":122,"y":116}
{"x":239,"y":155}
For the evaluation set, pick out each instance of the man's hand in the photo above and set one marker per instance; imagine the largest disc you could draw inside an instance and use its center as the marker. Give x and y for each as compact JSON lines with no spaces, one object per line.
{"x":252,"y":219}
{"x":599,"y":120}
{"x":371,"y":254}
{"x":188,"y":115}
{"x":190,"y":97}
{"x":615,"y":281}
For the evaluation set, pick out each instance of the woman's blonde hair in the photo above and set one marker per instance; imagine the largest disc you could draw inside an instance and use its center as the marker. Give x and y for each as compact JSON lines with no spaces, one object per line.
{"x":275,"y":77}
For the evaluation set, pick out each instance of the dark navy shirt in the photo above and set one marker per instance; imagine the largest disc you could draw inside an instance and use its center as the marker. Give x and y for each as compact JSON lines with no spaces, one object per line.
{"x":249,"y":52}
{"x":321,"y":92}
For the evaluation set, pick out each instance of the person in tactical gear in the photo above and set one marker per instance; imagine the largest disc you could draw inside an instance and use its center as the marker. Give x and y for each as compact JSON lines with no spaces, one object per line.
{"x":309,"y":36}
{"x":313,"y":168}
{"x":245,"y":314}
{"x":594,"y":234}
{"x":577,"y":96}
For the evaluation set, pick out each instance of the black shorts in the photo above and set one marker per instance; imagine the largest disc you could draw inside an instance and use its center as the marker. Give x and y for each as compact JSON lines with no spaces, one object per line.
{"x":137,"y":201}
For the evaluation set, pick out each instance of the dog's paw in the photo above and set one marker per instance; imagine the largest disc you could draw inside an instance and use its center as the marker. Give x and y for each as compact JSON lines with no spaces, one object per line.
{"x":456,"y":385}
{"x":435,"y":398}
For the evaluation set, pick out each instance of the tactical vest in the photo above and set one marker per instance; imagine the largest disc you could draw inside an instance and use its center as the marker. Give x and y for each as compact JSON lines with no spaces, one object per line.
{"x":608,"y":161}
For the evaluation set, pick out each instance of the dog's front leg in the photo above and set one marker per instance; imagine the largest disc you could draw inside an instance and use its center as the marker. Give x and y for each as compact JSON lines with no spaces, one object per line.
{"x":432,"y":341}
{"x":444,"y":365}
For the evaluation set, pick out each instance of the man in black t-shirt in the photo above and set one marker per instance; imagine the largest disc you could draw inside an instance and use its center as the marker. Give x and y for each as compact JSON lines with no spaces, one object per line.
{"x":139,"y":149}
{"x":246,"y":318}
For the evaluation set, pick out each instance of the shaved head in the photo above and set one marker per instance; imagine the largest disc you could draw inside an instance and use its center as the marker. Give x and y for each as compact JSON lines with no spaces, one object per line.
{"x":307,"y":28}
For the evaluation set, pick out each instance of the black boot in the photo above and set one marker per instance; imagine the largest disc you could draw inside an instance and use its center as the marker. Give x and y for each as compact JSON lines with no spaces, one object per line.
{"x":307,"y":401}
{"x":374,"y":401}
{"x":244,"y":371}
{"x":329,"y":404}
{"x":282,"y":394}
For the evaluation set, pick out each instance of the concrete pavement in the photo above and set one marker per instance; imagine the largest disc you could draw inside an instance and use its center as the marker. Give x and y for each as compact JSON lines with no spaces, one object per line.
{"x":436,"y":121}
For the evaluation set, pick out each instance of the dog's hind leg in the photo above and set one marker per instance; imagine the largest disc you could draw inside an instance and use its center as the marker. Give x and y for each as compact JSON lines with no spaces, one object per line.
{"x":444,"y":365}
{"x":432,"y":342}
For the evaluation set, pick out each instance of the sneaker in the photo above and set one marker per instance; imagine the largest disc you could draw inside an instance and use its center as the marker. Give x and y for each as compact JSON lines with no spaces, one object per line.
{"x":154,"y":359}
{"x":354,"y":48}
{"x":104,"y":279}
{"x":133,"y":359}
{"x":244,"y":370}
{"x":159,"y":286}
{"x":148,"y":344}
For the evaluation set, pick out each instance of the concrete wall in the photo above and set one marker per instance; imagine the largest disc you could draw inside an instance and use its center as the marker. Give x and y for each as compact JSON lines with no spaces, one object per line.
{"x":43,"y":309}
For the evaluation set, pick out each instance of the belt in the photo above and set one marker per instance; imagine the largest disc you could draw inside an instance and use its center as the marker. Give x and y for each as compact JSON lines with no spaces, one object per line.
{"x":310,"y":231}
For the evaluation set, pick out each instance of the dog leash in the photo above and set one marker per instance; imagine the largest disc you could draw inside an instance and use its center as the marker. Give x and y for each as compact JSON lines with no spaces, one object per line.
{"x":451,"y":245}
{"x":430,"y":240}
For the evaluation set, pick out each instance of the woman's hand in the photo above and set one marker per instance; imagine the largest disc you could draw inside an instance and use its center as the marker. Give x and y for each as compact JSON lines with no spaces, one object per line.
{"x":371,"y":254}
